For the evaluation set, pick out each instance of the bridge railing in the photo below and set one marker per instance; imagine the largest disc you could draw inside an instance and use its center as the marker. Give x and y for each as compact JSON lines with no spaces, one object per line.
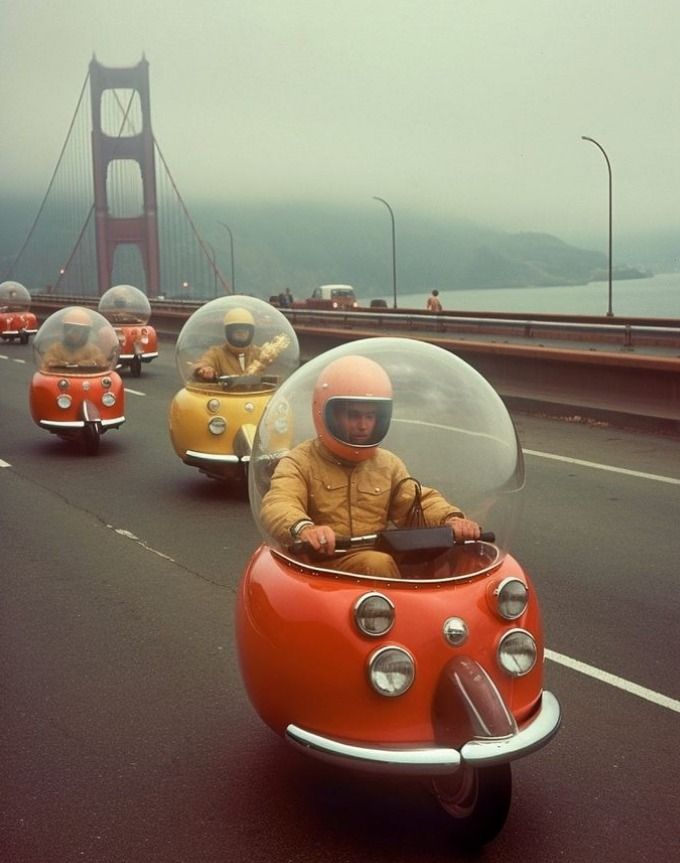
{"x":625,"y":370}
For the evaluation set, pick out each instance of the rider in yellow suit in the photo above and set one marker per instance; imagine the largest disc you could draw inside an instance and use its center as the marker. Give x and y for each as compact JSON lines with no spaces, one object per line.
{"x":342,"y":482}
{"x":237,"y":356}
{"x":74,"y":349}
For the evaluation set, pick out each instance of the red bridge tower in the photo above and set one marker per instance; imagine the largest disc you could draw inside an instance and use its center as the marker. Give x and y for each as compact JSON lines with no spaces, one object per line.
{"x":139,"y":230}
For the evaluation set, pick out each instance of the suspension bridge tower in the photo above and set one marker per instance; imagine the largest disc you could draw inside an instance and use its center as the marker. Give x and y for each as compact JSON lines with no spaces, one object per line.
{"x":136,"y":229}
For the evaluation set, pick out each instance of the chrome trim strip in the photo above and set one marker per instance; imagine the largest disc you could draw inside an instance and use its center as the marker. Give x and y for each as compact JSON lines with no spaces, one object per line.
{"x":148,"y":356}
{"x":424,"y":761}
{"x":435,"y":760}
{"x":210,"y":457}
{"x":78,"y":424}
{"x":315,"y":569}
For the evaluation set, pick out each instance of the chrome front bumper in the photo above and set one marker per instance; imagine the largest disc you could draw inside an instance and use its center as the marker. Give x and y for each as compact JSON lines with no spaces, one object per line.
{"x":435,"y":761}
{"x":197,"y":458}
{"x":56,"y":425}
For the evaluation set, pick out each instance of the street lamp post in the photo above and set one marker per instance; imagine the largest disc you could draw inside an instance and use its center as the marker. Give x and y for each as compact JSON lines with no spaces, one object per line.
{"x":610,"y":313}
{"x":231,"y":250}
{"x":394,"y":249}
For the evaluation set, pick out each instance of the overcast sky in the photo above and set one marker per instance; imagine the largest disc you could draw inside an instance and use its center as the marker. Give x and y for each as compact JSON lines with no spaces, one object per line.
{"x":471,"y":107}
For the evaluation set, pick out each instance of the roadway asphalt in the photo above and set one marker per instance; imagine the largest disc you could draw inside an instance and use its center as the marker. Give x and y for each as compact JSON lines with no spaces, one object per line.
{"x":125,"y":731}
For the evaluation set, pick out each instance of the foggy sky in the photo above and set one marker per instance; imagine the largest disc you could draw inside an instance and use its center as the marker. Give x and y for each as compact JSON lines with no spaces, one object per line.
{"x":473,"y":108}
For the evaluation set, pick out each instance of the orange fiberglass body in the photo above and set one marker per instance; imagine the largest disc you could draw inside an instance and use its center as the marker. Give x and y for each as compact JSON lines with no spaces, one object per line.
{"x":16,"y":319}
{"x":439,"y":673}
{"x":76,"y":392}
{"x":298,"y":635}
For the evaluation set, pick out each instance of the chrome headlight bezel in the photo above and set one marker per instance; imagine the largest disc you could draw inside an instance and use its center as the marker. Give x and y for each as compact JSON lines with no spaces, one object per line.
{"x":109,"y":399}
{"x":64,"y":401}
{"x":213,"y":405}
{"x":517,"y":652}
{"x":455,"y":631}
{"x":512,"y":598}
{"x":369,"y":609}
{"x":391,"y":671}
{"x":217,"y":425}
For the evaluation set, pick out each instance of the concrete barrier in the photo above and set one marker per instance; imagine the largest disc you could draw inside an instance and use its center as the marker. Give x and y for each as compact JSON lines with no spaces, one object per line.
{"x":625,"y":371}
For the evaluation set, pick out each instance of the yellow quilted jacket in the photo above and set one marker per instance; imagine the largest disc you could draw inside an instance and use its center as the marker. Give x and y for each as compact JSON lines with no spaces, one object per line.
{"x":352,"y":499}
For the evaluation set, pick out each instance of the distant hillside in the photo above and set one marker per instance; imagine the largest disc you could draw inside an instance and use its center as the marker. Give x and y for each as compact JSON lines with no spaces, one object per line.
{"x":303,"y":245}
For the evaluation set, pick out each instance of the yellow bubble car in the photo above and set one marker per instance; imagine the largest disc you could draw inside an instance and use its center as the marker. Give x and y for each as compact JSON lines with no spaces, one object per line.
{"x":232,"y":354}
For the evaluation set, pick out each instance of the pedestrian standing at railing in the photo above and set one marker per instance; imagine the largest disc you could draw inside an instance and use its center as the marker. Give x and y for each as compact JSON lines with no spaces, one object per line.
{"x":433,"y":302}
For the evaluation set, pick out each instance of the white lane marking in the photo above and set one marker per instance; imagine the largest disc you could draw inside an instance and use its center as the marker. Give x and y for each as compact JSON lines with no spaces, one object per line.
{"x":129,"y":535}
{"x":597,"y":466}
{"x":4,"y":463}
{"x":134,"y":392}
{"x":614,"y":680}
{"x":4,"y":357}
{"x":17,"y":360}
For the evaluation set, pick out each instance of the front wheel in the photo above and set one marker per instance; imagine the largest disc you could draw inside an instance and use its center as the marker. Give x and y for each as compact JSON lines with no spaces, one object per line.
{"x":91,"y":439}
{"x":136,"y":366}
{"x":477,"y":799}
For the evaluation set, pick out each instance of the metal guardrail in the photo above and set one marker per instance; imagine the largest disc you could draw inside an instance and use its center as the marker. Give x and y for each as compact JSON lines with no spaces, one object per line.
{"x":627,"y":370}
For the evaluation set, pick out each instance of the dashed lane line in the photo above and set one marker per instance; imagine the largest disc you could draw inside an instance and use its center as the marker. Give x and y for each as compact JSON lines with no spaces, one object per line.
{"x":614,"y":680}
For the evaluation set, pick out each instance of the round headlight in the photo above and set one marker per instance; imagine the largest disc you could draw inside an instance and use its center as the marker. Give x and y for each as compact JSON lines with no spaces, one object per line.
{"x":106,"y":383}
{"x":281,"y":425}
{"x":213,"y":405}
{"x":108,"y":399}
{"x":249,"y":407}
{"x":63,"y":401}
{"x":517,"y":652}
{"x":217,"y":425}
{"x":455,"y":631}
{"x":63,"y":384}
{"x":391,"y":671}
{"x":512,"y":598}
{"x":374,"y":614}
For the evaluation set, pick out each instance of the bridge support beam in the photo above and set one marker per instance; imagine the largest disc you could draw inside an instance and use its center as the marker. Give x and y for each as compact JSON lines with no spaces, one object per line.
{"x":136,"y":229}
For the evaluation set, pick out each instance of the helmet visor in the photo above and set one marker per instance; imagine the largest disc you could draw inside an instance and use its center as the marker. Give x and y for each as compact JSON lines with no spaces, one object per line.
{"x":359,"y":422}
{"x":239,"y":335}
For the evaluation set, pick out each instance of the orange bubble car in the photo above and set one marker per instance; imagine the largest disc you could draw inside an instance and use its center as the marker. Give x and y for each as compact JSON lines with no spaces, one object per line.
{"x":16,"y":319}
{"x":76,"y":392}
{"x":437,"y":673}
{"x":128,"y":310}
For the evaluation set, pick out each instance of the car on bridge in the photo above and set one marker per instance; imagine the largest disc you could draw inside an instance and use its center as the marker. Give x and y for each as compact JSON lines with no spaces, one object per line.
{"x":75,"y":392}
{"x":16,"y":319}
{"x":231,"y":354}
{"x":437,"y":673}
{"x":331,"y":297}
{"x":128,"y":310}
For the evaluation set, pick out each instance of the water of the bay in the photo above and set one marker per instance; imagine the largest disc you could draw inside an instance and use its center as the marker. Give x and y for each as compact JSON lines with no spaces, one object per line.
{"x":655,"y":297}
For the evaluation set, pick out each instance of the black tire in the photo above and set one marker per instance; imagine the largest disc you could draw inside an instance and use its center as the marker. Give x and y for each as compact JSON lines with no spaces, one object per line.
{"x":23,"y":338}
{"x":136,"y":366}
{"x":478,"y":801}
{"x":91,"y":440}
